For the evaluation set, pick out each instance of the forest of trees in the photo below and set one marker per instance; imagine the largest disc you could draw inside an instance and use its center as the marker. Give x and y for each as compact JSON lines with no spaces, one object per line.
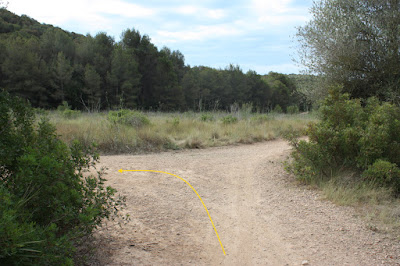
{"x":48,"y":65}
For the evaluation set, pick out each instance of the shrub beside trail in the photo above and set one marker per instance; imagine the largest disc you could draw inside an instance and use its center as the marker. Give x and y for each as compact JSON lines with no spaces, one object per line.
{"x":49,"y":201}
{"x":362,"y":138}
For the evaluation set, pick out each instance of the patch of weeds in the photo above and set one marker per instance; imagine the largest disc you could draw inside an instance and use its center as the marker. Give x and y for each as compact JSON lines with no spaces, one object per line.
{"x":229,"y":119}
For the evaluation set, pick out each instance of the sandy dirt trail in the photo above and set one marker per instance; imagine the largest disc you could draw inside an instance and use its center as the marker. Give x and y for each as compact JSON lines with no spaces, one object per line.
{"x":261,"y":216}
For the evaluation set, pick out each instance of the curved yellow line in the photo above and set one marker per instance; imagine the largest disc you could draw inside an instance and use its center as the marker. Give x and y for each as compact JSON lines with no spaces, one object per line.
{"x":209,"y":216}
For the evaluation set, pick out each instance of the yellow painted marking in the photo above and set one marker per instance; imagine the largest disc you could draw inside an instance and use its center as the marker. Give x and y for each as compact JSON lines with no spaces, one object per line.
{"x":209,"y":216}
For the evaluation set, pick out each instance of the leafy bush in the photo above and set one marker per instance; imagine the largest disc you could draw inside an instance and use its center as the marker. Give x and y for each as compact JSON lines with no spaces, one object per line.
{"x":385,"y":174}
{"x":293,"y":109}
{"x":64,"y":106}
{"x":176,"y":121}
{"x":48,"y":201}
{"x":261,"y":118}
{"x":128,"y":117}
{"x":229,"y":119}
{"x":71,"y":114}
{"x":350,"y":136}
{"x":278,"y":109}
{"x":207,"y":117}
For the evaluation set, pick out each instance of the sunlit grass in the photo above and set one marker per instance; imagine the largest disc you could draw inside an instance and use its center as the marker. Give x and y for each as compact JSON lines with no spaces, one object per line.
{"x":176,"y":130}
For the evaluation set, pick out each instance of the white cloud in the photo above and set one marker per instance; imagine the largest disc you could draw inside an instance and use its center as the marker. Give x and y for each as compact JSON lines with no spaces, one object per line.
{"x":274,"y":7}
{"x":278,"y":13}
{"x":215,"y":13}
{"x":277,"y":20}
{"x":199,"y":33}
{"x":90,"y":13}
{"x":186,"y":10}
{"x":122,"y":8}
{"x":199,"y":12}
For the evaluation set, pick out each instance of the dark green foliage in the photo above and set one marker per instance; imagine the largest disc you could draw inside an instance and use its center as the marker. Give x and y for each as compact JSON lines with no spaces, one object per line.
{"x":278,"y":109}
{"x":384,"y":173}
{"x":128,"y":117}
{"x":354,"y":43}
{"x":293,"y":109}
{"x":207,"y":117}
{"x":48,"y":201}
{"x":70,"y":114}
{"x":351,"y":136}
{"x":66,"y":112}
{"x":47,"y":66}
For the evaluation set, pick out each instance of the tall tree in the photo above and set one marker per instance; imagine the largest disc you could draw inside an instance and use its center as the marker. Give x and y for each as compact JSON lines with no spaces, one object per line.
{"x":62,"y":72}
{"x":92,"y":89}
{"x":146,"y":54}
{"x":355,"y":43}
{"x":259,"y":91}
{"x":124,"y":78}
{"x":24,"y":73}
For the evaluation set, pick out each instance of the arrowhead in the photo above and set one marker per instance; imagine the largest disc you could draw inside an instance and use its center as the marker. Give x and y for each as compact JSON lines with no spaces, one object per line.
{"x":120,"y":170}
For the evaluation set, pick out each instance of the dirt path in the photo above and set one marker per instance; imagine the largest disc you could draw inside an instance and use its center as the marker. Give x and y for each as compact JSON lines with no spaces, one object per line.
{"x":261,"y":217}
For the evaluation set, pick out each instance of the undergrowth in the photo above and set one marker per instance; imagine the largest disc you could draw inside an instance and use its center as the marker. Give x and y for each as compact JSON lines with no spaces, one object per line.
{"x":353,"y":154}
{"x":155,"y":131}
{"x":49,"y":201}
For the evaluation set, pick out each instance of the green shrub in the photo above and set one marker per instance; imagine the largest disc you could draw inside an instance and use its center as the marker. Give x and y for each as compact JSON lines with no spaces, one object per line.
{"x":48,"y":202}
{"x":246,"y":110}
{"x":176,"y":121}
{"x":384,"y":174}
{"x":293,"y":109}
{"x":278,"y":109}
{"x":128,"y":117}
{"x":229,"y":119}
{"x":206,"y":117}
{"x":71,"y":114}
{"x":350,"y":136}
{"x":261,"y":118}
{"x":64,"y":106}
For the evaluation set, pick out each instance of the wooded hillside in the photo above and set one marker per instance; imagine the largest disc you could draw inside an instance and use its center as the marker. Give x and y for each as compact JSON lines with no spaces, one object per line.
{"x":48,"y":65}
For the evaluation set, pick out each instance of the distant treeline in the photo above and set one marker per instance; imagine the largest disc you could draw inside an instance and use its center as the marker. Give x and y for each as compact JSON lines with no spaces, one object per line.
{"x":48,"y":65}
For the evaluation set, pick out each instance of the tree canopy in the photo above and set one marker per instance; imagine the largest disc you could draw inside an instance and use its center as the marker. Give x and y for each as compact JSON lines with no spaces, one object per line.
{"x":48,"y":65}
{"x":355,"y":44}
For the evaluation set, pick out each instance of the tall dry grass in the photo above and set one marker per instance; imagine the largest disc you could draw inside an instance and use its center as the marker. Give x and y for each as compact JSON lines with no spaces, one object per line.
{"x":176,"y":130}
{"x":376,"y":205}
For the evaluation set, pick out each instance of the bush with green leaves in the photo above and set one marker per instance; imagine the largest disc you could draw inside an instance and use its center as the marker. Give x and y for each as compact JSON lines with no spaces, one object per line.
{"x":260,"y":118}
{"x":384,"y":174}
{"x":176,"y":121}
{"x":351,"y":135}
{"x":128,"y":117}
{"x":206,"y":117}
{"x":71,"y":114}
{"x":63,"y":106}
{"x":293,"y":109}
{"x":278,"y":109}
{"x":229,"y":119}
{"x":49,"y":201}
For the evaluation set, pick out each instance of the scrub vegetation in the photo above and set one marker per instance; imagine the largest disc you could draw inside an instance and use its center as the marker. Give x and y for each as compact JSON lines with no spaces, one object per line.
{"x":137,"y":132}
{"x":353,"y":152}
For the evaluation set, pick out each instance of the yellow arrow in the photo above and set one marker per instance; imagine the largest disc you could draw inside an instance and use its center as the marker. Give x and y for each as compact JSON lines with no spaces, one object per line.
{"x":209,"y":216}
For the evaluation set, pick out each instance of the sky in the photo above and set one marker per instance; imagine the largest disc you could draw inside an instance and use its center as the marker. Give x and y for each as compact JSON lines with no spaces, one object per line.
{"x":257,"y":35}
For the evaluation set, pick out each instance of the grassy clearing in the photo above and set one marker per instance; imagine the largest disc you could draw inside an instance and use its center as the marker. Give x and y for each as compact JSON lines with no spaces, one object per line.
{"x":176,"y":130}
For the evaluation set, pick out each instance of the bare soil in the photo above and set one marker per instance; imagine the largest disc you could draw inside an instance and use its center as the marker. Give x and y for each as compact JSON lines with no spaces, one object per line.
{"x":262,"y":216}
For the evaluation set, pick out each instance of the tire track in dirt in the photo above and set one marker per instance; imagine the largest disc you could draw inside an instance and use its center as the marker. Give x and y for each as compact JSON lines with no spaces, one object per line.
{"x":261,"y":217}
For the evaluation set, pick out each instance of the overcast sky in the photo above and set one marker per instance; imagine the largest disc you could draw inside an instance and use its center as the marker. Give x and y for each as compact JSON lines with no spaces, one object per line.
{"x":254,"y":34}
